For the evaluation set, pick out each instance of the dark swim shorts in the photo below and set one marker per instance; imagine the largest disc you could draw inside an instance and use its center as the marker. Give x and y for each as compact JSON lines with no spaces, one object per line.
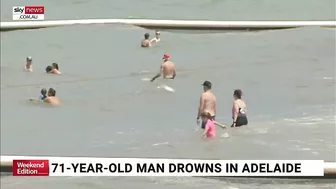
{"x":204,"y":123}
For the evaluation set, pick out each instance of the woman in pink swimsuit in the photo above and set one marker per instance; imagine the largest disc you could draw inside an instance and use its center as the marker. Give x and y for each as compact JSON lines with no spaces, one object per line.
{"x":210,"y":125}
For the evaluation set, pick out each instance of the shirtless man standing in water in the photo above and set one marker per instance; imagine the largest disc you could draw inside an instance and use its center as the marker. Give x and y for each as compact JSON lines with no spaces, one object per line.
{"x":52,"y":99}
{"x":207,"y":103}
{"x":167,"y":69}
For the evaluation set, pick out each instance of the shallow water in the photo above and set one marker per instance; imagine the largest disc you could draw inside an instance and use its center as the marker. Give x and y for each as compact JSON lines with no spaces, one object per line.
{"x":287,"y":76}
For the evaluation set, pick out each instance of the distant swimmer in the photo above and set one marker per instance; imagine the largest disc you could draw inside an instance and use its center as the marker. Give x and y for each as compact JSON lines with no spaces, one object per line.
{"x":53,"y":69}
{"x":43,"y":95}
{"x":167,"y":69}
{"x":210,"y":125}
{"x":157,"y":37}
{"x":207,"y":103}
{"x":29,"y":64}
{"x":52,"y":99}
{"x":146,"y":42}
{"x":239,"y":110}
{"x":48,"y":69}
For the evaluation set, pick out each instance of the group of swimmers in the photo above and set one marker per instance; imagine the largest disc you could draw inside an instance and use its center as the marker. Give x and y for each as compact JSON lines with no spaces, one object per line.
{"x":53,"y":69}
{"x":207,"y":106}
{"x":167,"y":68}
{"x":50,"y":96}
{"x":146,"y":42}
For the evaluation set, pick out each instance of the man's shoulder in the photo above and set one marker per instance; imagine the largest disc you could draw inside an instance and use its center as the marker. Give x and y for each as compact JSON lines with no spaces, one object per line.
{"x":209,"y":95}
{"x":145,"y":41}
{"x":212,"y":94}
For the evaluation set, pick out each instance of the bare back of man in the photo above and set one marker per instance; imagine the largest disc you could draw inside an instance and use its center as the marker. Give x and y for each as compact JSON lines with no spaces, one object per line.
{"x":168,"y":70}
{"x":53,"y":100}
{"x":209,"y":102}
{"x":145,"y":43}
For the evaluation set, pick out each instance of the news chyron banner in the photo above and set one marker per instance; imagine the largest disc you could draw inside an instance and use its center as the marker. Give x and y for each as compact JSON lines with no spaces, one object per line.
{"x":28,"y":13}
{"x":165,"y":167}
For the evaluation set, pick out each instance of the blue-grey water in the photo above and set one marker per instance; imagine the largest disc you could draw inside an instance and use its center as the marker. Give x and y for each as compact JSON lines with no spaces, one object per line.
{"x":287,"y":76}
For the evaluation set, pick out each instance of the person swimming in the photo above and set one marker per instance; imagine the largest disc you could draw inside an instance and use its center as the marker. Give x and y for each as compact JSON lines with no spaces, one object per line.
{"x":29,"y":64}
{"x":43,"y":94}
{"x":48,"y":69}
{"x":157,"y":37}
{"x":146,"y":42}
{"x":239,"y":110}
{"x":52,"y":99}
{"x":53,"y":69}
{"x":55,"y":66}
{"x":210,"y":125}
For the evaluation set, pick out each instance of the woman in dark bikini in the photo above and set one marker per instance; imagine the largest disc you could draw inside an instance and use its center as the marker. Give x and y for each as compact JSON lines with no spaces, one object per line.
{"x":239,"y":110}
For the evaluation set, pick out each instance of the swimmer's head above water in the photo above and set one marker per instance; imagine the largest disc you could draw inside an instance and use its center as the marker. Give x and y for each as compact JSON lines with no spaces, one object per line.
{"x":44,"y":91}
{"x":55,"y":66}
{"x":51,"y":92}
{"x":157,"y":34}
{"x":29,"y":60}
{"x":48,"y":69}
{"x":43,"y":94}
{"x":146,"y":35}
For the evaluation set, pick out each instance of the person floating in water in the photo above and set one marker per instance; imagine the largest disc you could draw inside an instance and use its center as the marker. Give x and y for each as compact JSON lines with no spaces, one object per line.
{"x":157,"y":37}
{"x":43,"y":94}
{"x":146,"y":42}
{"x":52,"y":99}
{"x":239,"y":110}
{"x":167,"y":69}
{"x":29,"y":64}
{"x":210,"y":125}
{"x":207,"y":103}
{"x":48,"y":69}
{"x":53,"y":69}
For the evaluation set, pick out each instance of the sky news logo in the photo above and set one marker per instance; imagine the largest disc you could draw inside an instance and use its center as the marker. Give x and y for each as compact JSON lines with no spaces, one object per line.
{"x":28,"y":13}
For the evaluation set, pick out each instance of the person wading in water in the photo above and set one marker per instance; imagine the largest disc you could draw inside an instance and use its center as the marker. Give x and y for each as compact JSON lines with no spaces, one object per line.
{"x":207,"y":103}
{"x":29,"y":65}
{"x":239,"y":110}
{"x":167,"y":69}
{"x":146,"y":42}
{"x":157,"y":37}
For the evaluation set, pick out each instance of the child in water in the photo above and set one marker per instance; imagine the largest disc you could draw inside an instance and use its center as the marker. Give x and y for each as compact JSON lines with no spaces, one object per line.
{"x":43,"y":94}
{"x":210,"y":125}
